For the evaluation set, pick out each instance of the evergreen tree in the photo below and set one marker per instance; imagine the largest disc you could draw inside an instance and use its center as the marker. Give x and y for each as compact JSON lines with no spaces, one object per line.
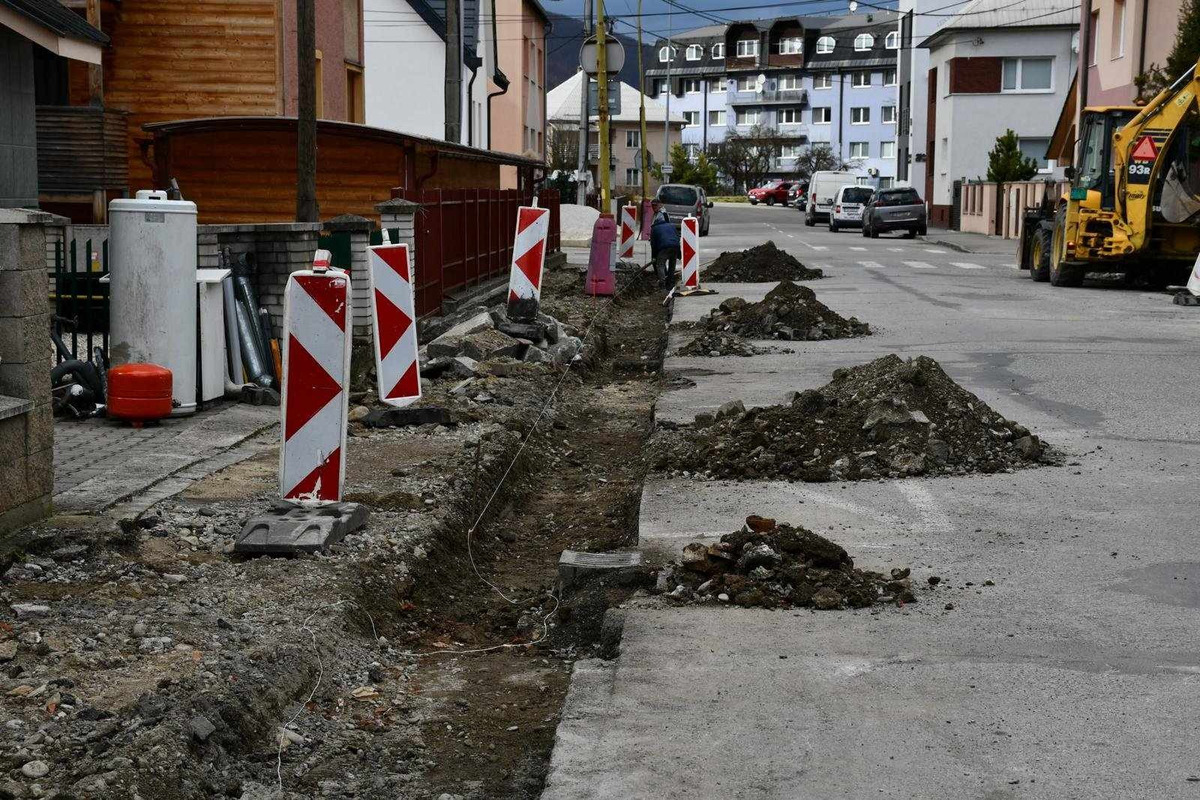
{"x":1182,"y":58}
{"x":700,"y":172}
{"x":1007,"y":163}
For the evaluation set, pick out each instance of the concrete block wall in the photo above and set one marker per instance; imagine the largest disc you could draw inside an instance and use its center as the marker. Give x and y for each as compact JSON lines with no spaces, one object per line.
{"x":359,"y":230}
{"x":278,"y":250}
{"x":26,"y":416}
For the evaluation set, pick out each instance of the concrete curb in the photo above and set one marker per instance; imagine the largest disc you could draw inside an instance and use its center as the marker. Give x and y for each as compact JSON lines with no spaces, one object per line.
{"x":949,"y":245}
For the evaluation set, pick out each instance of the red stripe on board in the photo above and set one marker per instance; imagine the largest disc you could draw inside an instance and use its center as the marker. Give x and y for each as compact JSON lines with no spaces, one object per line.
{"x":309,"y":387}
{"x":322,"y":482}
{"x":396,"y":258}
{"x":527,"y":216}
{"x":393,"y":323}
{"x":530,"y":263}
{"x":327,"y":292}
{"x":407,"y":386}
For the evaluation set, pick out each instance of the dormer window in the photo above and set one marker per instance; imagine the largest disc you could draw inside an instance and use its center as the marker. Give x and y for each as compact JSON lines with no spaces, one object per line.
{"x":863,"y":42}
{"x":825,"y":45}
{"x":791,"y":46}
{"x":694,"y":52}
{"x":718,"y":51}
{"x":666,"y":54}
{"x":892,"y":42}
{"x":747,"y":48}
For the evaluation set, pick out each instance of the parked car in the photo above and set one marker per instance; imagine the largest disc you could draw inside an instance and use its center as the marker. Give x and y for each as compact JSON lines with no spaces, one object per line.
{"x":899,"y":209}
{"x":772,"y":192}
{"x":798,"y":195}
{"x":848,"y":207}
{"x":681,"y":199}
{"x":822,"y":189}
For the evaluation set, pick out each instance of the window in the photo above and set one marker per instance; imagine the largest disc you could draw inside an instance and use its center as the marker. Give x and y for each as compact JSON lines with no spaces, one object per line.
{"x":825,"y":45}
{"x":863,"y":42}
{"x":892,"y":41}
{"x":694,"y":52}
{"x":789,"y":83}
{"x":888,"y":114}
{"x":889,"y":77}
{"x":355,"y":104}
{"x":693,"y":151}
{"x":716,"y":86}
{"x":821,"y":115}
{"x":1035,"y":148}
{"x":633,"y":177}
{"x":791,"y":45}
{"x":789,"y":116}
{"x":691,"y":118}
{"x":885,"y":183}
{"x":633,"y":139}
{"x":789,"y":152}
{"x":320,"y":81}
{"x":823,"y":80}
{"x":718,"y":51}
{"x":1092,"y":38}
{"x":747,"y":116}
{"x":887,"y":149}
{"x":691,"y":86}
{"x":859,"y":150}
{"x":1118,"y":29}
{"x":666,"y":54}
{"x":716,"y":118}
{"x":659,"y":86}
{"x":747,"y":84}
{"x":1027,"y":75}
{"x":860,"y":115}
{"x":747,"y":48}
{"x":858,"y":80}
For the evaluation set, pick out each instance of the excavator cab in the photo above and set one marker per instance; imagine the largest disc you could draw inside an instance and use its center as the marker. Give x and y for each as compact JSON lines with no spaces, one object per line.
{"x":1093,"y":184}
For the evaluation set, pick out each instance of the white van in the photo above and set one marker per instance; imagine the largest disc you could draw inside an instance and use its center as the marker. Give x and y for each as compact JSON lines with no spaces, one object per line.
{"x":822,"y":189}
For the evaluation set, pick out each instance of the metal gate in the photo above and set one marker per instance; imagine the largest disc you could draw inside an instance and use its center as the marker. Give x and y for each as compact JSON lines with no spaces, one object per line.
{"x":80,"y":299}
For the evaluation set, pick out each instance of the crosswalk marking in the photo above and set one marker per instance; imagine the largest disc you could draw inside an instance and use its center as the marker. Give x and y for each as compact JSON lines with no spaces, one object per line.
{"x":919,"y":265}
{"x":966,"y":265}
{"x":859,"y":249}
{"x":895,"y":249}
{"x":817,"y":246}
{"x":935,"y":252}
{"x":1012,"y":266}
{"x":871,"y":264}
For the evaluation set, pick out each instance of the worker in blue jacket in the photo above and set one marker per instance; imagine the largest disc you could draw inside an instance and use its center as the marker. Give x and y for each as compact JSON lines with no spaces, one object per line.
{"x":664,"y":245}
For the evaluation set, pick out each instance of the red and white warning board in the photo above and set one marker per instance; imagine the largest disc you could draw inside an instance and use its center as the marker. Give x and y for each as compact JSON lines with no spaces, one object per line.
{"x":529,"y":254}
{"x":1144,"y":150}
{"x":394,"y":317}
{"x":628,"y":232}
{"x":690,"y":245}
{"x":316,"y":373}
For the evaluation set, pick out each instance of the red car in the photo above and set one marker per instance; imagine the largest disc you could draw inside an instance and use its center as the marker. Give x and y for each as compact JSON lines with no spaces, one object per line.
{"x":773,"y":192}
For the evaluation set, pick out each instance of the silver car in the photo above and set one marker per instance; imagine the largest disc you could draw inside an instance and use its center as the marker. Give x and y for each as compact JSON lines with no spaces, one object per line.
{"x":681,"y":199}
{"x":899,"y":209}
{"x":848,"y":207}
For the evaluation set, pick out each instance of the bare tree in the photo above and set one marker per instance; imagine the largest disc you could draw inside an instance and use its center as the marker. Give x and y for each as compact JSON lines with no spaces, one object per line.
{"x":746,"y":158}
{"x":564,"y":149}
{"x":816,"y":158}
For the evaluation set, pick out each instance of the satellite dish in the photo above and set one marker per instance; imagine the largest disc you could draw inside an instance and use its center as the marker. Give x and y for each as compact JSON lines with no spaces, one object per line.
{"x":760,"y":82}
{"x":853,"y":6}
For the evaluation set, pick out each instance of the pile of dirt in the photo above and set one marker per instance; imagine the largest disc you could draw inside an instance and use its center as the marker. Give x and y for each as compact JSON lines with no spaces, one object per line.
{"x":712,"y":343}
{"x":776,"y":565}
{"x":886,"y":418}
{"x":788,"y":312}
{"x":766,"y":262}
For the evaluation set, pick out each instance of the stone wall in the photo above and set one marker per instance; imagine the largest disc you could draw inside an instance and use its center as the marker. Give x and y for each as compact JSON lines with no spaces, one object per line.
{"x":26,"y":416}
{"x":278,"y":250}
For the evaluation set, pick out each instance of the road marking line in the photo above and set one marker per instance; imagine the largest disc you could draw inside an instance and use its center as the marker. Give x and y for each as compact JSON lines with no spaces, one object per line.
{"x":817,"y":246}
{"x":791,"y":236}
{"x":871,"y":264}
{"x":1012,"y":266}
{"x":919,"y":265}
{"x":859,"y":249}
{"x":937,"y":252}
{"x":934,"y":518}
{"x":895,"y":249}
{"x":966,"y":265}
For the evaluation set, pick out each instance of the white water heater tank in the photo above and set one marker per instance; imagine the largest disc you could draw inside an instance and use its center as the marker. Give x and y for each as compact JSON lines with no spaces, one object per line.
{"x":152,"y":288}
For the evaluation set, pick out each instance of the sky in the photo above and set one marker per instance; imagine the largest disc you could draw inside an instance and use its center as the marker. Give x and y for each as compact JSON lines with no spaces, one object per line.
{"x":679,"y":20}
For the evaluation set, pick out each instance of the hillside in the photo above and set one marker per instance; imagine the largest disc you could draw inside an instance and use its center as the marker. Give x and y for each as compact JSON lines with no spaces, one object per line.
{"x":562,"y":57}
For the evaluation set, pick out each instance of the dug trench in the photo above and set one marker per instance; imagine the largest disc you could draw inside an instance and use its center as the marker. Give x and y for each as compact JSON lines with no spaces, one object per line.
{"x":147,"y":661}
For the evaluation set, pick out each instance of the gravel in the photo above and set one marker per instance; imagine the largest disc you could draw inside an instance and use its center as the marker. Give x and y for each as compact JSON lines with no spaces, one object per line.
{"x":765,"y":262}
{"x":788,"y":312}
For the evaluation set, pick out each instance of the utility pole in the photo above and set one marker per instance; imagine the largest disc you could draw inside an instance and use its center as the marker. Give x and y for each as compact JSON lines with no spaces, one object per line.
{"x":584,"y":117}
{"x":453,"y":73}
{"x":645,"y":165}
{"x":604,"y":167}
{"x":306,"y":113}
{"x":667,"y":119}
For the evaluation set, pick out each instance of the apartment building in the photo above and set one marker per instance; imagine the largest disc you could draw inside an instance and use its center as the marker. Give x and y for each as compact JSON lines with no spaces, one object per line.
{"x":810,"y":79}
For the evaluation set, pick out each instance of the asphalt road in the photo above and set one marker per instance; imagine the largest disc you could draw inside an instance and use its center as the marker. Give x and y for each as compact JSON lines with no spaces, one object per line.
{"x":1076,"y":675}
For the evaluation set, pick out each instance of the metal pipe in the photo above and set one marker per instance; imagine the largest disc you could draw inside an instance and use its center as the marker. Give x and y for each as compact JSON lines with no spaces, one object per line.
{"x":234,"y":351}
{"x":252,"y":357}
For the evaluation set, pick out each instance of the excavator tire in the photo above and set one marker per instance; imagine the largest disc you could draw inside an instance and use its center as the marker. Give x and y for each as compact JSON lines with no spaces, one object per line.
{"x":1039,"y":254}
{"x":1065,"y":274}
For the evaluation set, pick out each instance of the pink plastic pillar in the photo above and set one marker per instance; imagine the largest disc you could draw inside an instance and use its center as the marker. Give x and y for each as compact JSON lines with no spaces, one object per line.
{"x":647,"y":220}
{"x":599,"y":279}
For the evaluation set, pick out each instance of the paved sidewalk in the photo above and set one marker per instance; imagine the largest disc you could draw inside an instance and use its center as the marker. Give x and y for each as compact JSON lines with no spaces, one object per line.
{"x":972,"y":242}
{"x":99,"y":463}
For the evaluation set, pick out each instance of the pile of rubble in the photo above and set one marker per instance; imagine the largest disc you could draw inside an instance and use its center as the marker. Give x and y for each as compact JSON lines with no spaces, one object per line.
{"x":710,"y":343}
{"x":766,"y":262}
{"x":887,"y":418}
{"x":775,"y":565}
{"x":788,"y":312}
{"x":490,"y":334}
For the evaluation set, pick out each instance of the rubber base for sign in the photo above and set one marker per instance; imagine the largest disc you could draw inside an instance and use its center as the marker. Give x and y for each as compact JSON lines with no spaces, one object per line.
{"x":289,"y":528}
{"x":694,"y":292}
{"x":573,"y":565}
{"x":1186,"y":299}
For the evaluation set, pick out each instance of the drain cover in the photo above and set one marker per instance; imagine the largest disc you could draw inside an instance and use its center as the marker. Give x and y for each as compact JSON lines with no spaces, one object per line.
{"x":572,"y":563}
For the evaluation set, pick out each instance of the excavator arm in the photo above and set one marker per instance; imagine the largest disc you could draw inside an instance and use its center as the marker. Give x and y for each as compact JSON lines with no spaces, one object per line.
{"x":1140,"y":157}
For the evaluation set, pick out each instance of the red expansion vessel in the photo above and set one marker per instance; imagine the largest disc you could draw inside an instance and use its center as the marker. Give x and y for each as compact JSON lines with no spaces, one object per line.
{"x":139,"y":392}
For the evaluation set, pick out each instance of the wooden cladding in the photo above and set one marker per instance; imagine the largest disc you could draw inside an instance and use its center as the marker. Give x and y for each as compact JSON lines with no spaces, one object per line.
{"x":975,"y":75}
{"x":81,"y":149}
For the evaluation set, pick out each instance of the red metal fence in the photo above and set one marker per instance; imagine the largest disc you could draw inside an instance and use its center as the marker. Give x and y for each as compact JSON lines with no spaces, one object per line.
{"x":464,"y":237}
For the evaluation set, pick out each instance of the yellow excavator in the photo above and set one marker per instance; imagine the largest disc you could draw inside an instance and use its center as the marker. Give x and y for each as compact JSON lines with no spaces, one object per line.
{"x":1134,"y":198}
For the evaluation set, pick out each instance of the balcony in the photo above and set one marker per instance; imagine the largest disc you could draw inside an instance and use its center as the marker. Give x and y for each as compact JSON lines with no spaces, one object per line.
{"x":769,"y":97}
{"x":594,"y":156}
{"x":81,"y":151}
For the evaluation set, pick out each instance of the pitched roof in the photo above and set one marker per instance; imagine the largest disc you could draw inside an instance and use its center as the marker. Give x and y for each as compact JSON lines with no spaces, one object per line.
{"x":57,"y":18}
{"x":984,"y":14}
{"x":562,"y":103}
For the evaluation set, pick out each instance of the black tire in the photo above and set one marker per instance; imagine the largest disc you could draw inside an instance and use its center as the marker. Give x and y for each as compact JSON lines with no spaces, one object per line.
{"x":923,"y":232}
{"x":874,"y":232}
{"x":865,"y":231}
{"x":1039,"y":255}
{"x":833,"y":228}
{"x":910,"y":234}
{"x":809,"y":221}
{"x":704,"y":230}
{"x":770,"y":201}
{"x":753,"y":202}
